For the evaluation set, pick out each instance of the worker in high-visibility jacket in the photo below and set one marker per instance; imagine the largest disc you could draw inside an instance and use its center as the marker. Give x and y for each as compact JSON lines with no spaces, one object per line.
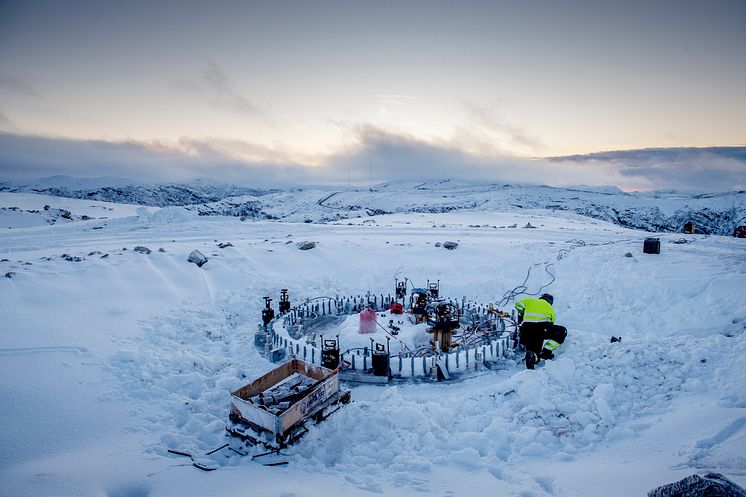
{"x":539,"y":335}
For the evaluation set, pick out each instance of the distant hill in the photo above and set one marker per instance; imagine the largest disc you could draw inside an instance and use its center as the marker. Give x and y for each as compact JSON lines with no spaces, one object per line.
{"x":662,"y":211}
{"x":125,"y":191}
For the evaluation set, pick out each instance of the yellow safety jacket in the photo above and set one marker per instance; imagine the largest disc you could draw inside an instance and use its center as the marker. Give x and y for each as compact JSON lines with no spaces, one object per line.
{"x":535,"y":310}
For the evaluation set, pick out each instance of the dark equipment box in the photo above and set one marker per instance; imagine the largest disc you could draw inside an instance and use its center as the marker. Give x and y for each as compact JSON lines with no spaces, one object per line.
{"x":651,"y":246}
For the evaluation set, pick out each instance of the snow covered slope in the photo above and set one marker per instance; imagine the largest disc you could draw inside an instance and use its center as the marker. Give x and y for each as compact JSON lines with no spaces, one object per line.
{"x":713,"y":213}
{"x":657,"y":211}
{"x":125,"y":191}
{"x":110,"y":356}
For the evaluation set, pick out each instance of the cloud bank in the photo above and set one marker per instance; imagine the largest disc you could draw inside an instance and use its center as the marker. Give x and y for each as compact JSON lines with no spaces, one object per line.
{"x":375,"y":156}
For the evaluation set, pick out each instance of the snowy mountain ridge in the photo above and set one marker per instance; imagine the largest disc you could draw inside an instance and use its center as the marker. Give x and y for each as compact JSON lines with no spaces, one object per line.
{"x":123,"y":191}
{"x":658,"y":211}
{"x":654,"y":212}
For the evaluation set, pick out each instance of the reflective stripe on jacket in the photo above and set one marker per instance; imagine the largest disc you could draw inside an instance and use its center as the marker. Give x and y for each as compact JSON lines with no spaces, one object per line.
{"x":535,"y":310}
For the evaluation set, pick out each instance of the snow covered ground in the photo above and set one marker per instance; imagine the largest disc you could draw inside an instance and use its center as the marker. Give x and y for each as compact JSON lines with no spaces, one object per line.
{"x":109,"y":356}
{"x":666,"y":211}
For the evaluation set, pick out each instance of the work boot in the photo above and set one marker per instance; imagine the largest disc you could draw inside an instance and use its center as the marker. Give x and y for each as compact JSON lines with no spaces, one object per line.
{"x":547,"y":354}
{"x":531,"y":359}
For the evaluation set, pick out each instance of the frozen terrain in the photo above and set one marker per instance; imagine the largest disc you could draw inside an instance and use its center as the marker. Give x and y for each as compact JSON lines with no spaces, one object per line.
{"x":110,"y":356}
{"x":665,"y":211}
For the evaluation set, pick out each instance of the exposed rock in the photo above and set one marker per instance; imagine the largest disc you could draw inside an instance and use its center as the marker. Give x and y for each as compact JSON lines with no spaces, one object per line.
{"x":376,"y":212}
{"x":224,"y":244}
{"x":306,"y":245}
{"x":529,"y":225}
{"x":198,"y":258}
{"x":66,"y":214}
{"x":438,"y":244}
{"x":709,"y":485}
{"x":162,"y":250}
{"x":450,"y":245}
{"x":10,"y":274}
{"x":142,"y":250}
{"x":628,"y":254}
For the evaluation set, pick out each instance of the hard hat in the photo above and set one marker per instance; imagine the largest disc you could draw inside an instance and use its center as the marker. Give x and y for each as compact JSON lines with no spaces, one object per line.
{"x":548,"y":297}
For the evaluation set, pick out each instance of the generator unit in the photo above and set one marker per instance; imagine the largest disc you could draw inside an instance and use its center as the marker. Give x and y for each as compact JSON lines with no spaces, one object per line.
{"x":651,"y":246}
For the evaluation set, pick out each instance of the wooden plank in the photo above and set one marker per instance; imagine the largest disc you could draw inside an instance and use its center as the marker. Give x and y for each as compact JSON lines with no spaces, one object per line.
{"x":254,"y":414}
{"x":266,"y":381}
{"x":279,"y":424}
{"x":316,"y":397}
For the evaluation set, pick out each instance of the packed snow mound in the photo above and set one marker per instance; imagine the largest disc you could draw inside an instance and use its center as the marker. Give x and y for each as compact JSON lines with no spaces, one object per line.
{"x":164,"y":215}
{"x":22,"y":210}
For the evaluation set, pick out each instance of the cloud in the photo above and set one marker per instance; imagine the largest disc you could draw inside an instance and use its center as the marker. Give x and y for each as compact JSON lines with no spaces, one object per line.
{"x":489,"y":132}
{"x":216,"y":88}
{"x":18,"y":88}
{"x":713,"y":168}
{"x":381,"y":156}
{"x":373,"y":156}
{"x":30,"y":157}
{"x":5,"y":123}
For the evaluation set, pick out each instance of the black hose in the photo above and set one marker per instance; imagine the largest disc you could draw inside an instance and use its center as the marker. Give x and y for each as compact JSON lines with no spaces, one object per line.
{"x":522,"y":289}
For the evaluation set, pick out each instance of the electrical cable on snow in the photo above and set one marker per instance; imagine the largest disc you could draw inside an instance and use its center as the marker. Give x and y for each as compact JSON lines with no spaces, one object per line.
{"x":522,"y":288}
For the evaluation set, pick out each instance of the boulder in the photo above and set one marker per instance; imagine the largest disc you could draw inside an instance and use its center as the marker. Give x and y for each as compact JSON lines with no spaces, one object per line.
{"x":198,"y":258}
{"x":450,"y":245}
{"x":306,"y":245}
{"x":709,"y":485}
{"x":142,"y":250}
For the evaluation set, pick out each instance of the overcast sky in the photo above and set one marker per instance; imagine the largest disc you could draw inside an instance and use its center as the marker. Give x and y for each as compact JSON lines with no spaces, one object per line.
{"x":480,"y":85}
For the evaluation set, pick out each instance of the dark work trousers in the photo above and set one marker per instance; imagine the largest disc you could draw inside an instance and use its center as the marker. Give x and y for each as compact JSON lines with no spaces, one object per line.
{"x":534,"y":334}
